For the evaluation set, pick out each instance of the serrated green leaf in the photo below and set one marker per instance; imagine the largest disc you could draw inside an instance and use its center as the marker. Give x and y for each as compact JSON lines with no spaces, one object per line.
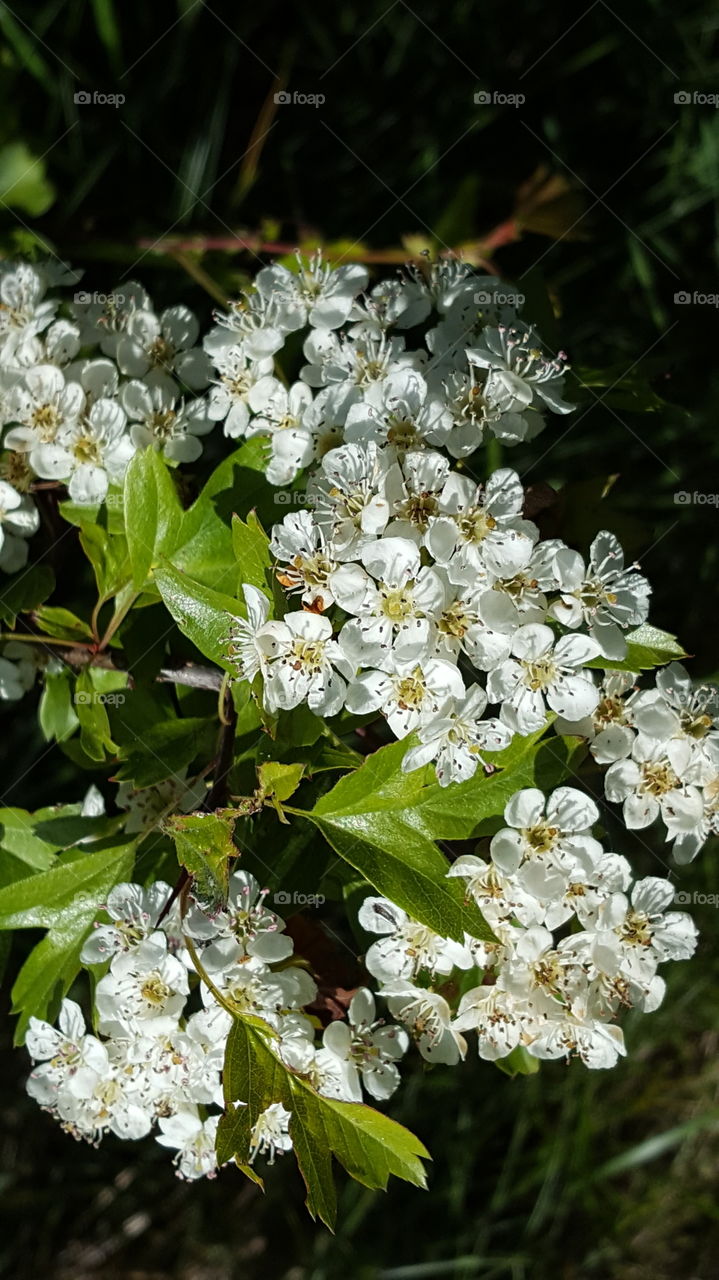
{"x":384,"y":823}
{"x":369,"y":1145}
{"x":205,"y":848}
{"x":279,"y":780}
{"x":647,"y":647}
{"x":203,"y":615}
{"x":252,"y":549}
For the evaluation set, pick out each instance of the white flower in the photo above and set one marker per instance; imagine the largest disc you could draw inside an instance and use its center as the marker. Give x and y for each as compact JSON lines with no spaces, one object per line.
{"x":562,"y":1033}
{"x":144,"y":991}
{"x":193,"y":1139}
{"x":24,"y":311}
{"x":543,"y":674}
{"x":406,"y":693}
{"x":271,"y":1132}
{"x":424,"y":476}
{"x":554,"y":829}
{"x":428,"y":1017}
{"x":688,"y":842}
{"x":604,"y":596}
{"x":395,"y":600}
{"x":147,"y":806}
{"x":301,"y":658}
{"x":495,"y":1015}
{"x":516,"y":598}
{"x":499,"y":898}
{"x":456,"y":737}
{"x":134,"y":913}
{"x":242,"y":388}
{"x":165,"y":342}
{"x":631,"y":937}
{"x":19,"y":520}
{"x":513,"y":357}
{"x":43,"y":405}
{"x":367,"y":1047}
{"x":245,"y":926}
{"x":17,"y":671}
{"x":281,"y":416}
{"x":160,"y":420}
{"x":676,"y":710}
{"x":315,"y":294}
{"x":652,"y":781}
{"x":105,"y":319}
{"x":359,"y":364}
{"x":253,"y":324}
{"x":351,"y":496}
{"x":480,"y":527}
{"x":62,"y":1052}
{"x":407,"y":947}
{"x":399,"y":411}
{"x":89,"y":454}
{"x":300,"y":542}
{"x":610,"y":727}
{"x":244,"y":650}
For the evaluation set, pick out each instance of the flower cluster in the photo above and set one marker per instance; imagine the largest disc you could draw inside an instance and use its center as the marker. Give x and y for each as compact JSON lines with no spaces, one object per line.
{"x":80,"y":392}
{"x":476,"y":371}
{"x":661,"y":746}
{"x":575,"y":943}
{"x":163,"y":1010}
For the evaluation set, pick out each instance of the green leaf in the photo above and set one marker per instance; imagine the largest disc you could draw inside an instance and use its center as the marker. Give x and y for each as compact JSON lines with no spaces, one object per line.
{"x":518,"y":1063}
{"x":252,"y":549}
{"x":108,"y":556}
{"x":204,"y":848}
{"x":23,"y":180}
{"x":93,"y":690}
{"x":61,"y":623}
{"x":201,"y":613}
{"x":647,"y":647}
{"x":204,"y":542}
{"x":65,"y":901}
{"x":24,"y":591}
{"x":35,"y":838}
{"x":384,"y":823}
{"x":279,"y":780}
{"x":56,"y":712}
{"x":369,"y":1145}
{"x":152,"y":512}
{"x":164,"y":749}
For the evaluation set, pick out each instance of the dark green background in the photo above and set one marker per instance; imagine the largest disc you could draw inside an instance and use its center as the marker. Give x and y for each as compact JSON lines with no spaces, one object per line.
{"x":571,"y":1173}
